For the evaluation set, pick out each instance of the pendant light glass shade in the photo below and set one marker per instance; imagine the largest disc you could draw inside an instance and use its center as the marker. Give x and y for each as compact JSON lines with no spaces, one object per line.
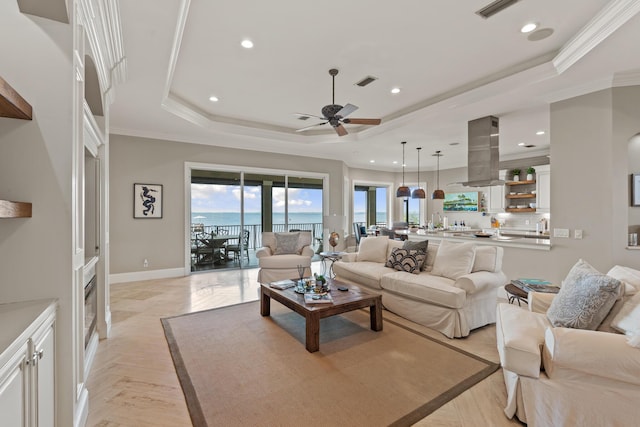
{"x":418,"y":193}
{"x":403,"y":190}
{"x":438,"y":194}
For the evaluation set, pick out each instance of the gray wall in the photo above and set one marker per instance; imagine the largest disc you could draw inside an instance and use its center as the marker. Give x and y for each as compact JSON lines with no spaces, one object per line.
{"x":35,"y":166}
{"x":150,"y":161}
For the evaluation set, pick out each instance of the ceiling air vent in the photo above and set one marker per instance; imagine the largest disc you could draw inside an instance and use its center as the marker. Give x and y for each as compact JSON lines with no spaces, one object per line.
{"x":495,"y":7}
{"x":367,"y":80}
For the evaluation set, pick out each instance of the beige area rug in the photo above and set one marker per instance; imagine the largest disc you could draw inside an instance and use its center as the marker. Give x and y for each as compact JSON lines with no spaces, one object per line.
{"x":239,"y":368}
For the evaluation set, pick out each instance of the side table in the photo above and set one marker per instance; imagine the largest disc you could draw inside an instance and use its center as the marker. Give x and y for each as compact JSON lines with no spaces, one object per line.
{"x":331,"y":257}
{"x":514,"y":293}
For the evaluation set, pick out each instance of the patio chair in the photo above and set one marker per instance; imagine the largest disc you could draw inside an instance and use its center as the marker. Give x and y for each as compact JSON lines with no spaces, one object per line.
{"x":238,"y":249}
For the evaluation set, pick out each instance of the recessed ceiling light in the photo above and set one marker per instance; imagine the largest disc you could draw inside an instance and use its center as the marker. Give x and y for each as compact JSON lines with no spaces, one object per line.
{"x":213,"y":98}
{"x":527,"y":28}
{"x":372,"y":161}
{"x":247,"y":44}
{"x":395,"y":90}
{"x":395,"y":162}
{"x":540,"y":132}
{"x":521,"y":144}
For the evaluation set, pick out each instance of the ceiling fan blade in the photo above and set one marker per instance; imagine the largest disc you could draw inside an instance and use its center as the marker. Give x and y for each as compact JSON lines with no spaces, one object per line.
{"x":363,"y":121}
{"x":309,"y":115}
{"x":312,"y":126}
{"x":346,"y":110}
{"x":340,"y":130}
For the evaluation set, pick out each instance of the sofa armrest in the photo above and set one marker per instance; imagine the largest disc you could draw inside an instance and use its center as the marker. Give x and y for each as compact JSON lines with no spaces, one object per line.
{"x":520,"y":336}
{"x":570,"y":353}
{"x":474,"y":282}
{"x":263,"y":252}
{"x":349,"y":257}
{"x":307,"y":251}
{"x":539,"y":302}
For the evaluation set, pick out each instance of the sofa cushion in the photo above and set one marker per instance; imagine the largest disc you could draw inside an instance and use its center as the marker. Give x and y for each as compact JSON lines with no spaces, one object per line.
{"x":584,"y":299}
{"x":287,"y":261}
{"x":432,"y":251}
{"x":409,"y":260}
{"x":373,"y":249}
{"x":488,"y":258}
{"x":454,"y":259}
{"x":417,"y":245}
{"x":366,"y":273}
{"x":424,"y":287}
{"x":630,"y":279}
{"x":628,"y":276}
{"x":286,"y":243}
{"x":520,"y":335}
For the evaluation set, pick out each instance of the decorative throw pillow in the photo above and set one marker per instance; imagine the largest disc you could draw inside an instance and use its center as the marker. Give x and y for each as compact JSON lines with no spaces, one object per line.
{"x":373,"y":249}
{"x":454,"y":259}
{"x":419,"y":246}
{"x":584,"y":299}
{"x":286,"y":243}
{"x":628,"y":318}
{"x":408,"y":260}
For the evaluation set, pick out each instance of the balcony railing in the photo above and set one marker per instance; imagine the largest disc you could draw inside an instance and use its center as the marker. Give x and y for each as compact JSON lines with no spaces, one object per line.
{"x":255,"y":231}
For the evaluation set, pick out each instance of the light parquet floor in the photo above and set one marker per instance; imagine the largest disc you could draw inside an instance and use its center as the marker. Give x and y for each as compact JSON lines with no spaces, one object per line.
{"x":133,"y":382}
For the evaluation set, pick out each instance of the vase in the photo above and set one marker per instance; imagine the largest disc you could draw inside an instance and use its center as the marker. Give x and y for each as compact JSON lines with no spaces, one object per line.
{"x":516,"y":177}
{"x":529,"y":177}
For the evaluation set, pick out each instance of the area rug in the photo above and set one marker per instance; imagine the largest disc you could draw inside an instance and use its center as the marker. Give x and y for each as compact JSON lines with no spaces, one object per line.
{"x":239,"y":368}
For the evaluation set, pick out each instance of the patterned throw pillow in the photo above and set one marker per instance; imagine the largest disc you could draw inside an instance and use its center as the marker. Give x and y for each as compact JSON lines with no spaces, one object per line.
{"x":419,"y":246}
{"x":286,"y":243}
{"x":585,"y":298}
{"x":408,"y":260}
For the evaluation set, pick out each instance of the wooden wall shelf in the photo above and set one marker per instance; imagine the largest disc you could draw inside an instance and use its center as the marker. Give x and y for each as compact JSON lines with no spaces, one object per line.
{"x":520,"y":182}
{"x":12,"y":105}
{"x":520,"y":196}
{"x":14,"y":209}
{"x":520,"y":209}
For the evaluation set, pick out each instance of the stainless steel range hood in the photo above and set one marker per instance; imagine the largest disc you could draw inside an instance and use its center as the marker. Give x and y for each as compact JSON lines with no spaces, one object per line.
{"x":483,"y":154}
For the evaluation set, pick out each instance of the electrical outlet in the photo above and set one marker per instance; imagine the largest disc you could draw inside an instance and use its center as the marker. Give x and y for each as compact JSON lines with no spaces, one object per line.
{"x":560,"y":232}
{"x":526,"y":222}
{"x":577,"y":234}
{"x":145,"y":264}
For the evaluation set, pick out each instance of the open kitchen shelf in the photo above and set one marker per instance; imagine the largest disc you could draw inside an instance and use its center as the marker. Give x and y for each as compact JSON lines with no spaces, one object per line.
{"x":520,"y":182}
{"x":520,"y":210}
{"x":12,"y":105}
{"x":14,"y":209}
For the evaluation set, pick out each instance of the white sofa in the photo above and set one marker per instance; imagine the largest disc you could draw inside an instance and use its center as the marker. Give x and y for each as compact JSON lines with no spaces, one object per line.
{"x":559,"y":376}
{"x":282,"y":253}
{"x":455,"y":293}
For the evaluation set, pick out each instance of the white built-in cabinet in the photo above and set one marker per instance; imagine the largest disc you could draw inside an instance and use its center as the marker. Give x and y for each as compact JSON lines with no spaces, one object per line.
{"x":27,"y":364}
{"x":543,"y":188}
{"x":495,"y":204}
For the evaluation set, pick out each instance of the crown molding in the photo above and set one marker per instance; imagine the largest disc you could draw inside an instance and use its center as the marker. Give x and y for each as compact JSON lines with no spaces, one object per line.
{"x":609,"y":19}
{"x":631,"y":78}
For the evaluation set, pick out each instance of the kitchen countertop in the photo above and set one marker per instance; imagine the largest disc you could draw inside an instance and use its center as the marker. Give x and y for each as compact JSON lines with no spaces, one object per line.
{"x":506,"y":238}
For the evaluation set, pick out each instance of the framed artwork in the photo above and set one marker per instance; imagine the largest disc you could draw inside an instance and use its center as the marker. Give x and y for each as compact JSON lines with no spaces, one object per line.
{"x":461,"y":202}
{"x":635,"y":189}
{"x":147,"y":200}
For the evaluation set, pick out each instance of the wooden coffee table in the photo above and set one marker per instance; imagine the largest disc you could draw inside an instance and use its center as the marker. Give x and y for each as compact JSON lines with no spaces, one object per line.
{"x":343,"y":301}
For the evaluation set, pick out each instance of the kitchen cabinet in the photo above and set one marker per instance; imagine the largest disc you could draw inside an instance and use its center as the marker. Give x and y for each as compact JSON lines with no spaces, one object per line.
{"x":496,"y":195}
{"x":543,"y":188}
{"x":27,"y":364}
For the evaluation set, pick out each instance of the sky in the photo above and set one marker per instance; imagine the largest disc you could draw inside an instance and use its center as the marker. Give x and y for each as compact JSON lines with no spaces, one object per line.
{"x":226,"y":198}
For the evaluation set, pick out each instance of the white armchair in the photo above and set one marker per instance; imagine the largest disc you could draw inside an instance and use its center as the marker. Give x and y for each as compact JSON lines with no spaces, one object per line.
{"x":282,"y":253}
{"x":564,"y":376}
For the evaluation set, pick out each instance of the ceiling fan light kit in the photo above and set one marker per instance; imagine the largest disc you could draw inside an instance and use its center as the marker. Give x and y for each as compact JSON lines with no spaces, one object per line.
{"x":403,"y":190}
{"x":336,"y":114}
{"x":438,"y":194}
{"x":418,"y":193}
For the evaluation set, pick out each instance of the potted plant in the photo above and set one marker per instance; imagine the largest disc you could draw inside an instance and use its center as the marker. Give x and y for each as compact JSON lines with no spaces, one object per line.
{"x":516,"y":174}
{"x":530,"y":172}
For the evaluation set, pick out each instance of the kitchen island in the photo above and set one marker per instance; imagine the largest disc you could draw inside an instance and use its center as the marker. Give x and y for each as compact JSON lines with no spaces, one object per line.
{"x":506,"y":239}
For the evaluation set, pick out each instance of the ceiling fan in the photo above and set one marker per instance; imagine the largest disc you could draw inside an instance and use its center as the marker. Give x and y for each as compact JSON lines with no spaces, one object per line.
{"x":335,"y":114}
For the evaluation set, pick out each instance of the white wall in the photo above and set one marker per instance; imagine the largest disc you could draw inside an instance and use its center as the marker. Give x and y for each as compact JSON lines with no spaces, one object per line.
{"x":35,"y":166}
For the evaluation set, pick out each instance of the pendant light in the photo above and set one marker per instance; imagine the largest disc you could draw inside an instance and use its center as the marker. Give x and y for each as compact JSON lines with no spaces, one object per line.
{"x":403,"y":190}
{"x":438,"y":194}
{"x":418,"y":193}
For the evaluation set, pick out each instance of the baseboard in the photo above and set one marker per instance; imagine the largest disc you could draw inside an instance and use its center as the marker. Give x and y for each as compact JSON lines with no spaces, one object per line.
{"x":82,"y":408}
{"x":136,"y":276}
